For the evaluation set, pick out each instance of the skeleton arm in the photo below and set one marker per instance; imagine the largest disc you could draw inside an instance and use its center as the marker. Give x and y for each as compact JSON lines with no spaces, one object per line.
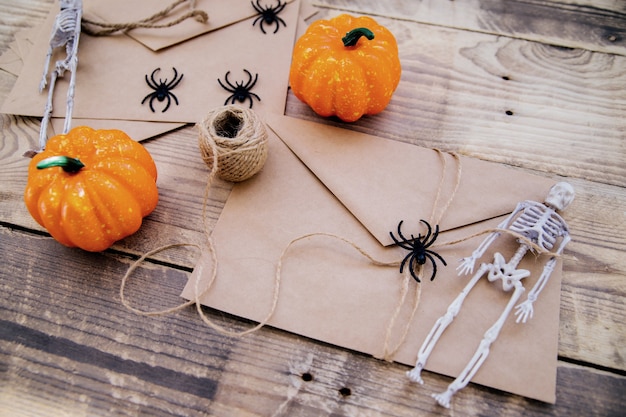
{"x":467,"y":264}
{"x":524,"y":311}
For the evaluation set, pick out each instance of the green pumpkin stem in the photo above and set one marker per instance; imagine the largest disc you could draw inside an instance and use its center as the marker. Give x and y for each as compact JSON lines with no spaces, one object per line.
{"x":70,"y":165}
{"x":354,"y":35}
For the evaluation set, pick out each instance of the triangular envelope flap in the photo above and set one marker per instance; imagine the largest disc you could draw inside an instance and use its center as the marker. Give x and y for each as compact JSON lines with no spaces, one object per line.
{"x":371,"y":176}
{"x":221,"y":13}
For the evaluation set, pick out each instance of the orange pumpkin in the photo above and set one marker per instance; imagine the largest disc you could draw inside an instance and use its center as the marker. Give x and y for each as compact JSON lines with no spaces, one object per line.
{"x":90,"y":188}
{"x":346,"y":66}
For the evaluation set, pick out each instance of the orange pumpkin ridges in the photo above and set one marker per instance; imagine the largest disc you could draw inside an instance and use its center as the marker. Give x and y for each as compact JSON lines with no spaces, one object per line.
{"x":345,"y":67}
{"x":90,"y":188}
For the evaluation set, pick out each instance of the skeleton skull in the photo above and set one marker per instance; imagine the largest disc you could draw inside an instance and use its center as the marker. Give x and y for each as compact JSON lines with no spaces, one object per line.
{"x":560,"y":196}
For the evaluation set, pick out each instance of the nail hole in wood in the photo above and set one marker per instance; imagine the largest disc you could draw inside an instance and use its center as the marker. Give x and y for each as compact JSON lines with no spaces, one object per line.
{"x":506,"y":78}
{"x":345,"y":392}
{"x":307,"y":377}
{"x":509,"y":113}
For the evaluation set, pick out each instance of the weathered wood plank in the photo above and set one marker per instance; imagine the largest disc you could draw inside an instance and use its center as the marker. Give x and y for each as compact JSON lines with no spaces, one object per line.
{"x":568,"y":108}
{"x":20,"y":15}
{"x":590,"y":25}
{"x":63,"y":346}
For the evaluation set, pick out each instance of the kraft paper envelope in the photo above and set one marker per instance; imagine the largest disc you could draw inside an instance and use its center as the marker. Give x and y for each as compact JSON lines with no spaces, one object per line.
{"x":322,"y":179}
{"x":110,"y":80}
{"x":221,"y":13}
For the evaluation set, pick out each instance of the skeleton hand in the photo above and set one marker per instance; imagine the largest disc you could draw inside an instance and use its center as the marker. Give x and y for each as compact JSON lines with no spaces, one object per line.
{"x":42,"y":84}
{"x":524,"y":311}
{"x":467,"y":265}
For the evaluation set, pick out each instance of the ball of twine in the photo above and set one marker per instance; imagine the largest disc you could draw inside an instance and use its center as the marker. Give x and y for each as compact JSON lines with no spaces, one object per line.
{"x":236,"y":139}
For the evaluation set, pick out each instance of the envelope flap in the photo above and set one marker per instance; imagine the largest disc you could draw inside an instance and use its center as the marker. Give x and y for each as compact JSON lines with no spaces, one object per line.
{"x":382,"y":181}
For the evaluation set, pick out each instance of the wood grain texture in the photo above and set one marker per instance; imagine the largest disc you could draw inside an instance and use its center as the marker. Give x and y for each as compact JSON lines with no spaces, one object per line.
{"x":69,"y":347}
{"x":591,"y":25}
{"x":63,"y":349}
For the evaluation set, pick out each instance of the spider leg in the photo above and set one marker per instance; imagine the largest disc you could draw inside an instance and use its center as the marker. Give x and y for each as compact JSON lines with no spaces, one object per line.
{"x":248,"y":85}
{"x":400,"y":232}
{"x":443,"y":261}
{"x":146,"y":97}
{"x":257,"y":19}
{"x":252,"y":94}
{"x":257,"y":6}
{"x":151,"y":100}
{"x":432,"y":260}
{"x":428,"y":234}
{"x":279,"y":20}
{"x":169,"y":101}
{"x":434,"y":237}
{"x":154,"y":83}
{"x":412,"y":266}
{"x":232,"y":87}
{"x":403,"y":263}
{"x":228,"y":82}
{"x":175,"y":81}
{"x":152,"y":86}
{"x":279,"y":7}
{"x":403,"y":245}
{"x":226,"y":101}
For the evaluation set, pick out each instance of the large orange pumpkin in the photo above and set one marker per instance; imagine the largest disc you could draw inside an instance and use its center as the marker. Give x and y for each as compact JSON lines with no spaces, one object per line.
{"x":346,"y":66}
{"x":91,"y":188}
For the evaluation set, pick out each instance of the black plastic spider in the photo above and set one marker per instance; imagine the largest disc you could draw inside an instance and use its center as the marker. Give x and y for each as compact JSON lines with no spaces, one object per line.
{"x":162,"y":89}
{"x":418,"y":248}
{"x":240,"y":91}
{"x":269,"y":15}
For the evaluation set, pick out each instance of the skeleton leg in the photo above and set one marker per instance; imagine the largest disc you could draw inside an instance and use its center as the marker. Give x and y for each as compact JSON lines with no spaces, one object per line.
{"x":481,"y":353}
{"x":43,"y":130}
{"x":44,"y":78}
{"x":440,"y":326}
{"x":70,"y":95}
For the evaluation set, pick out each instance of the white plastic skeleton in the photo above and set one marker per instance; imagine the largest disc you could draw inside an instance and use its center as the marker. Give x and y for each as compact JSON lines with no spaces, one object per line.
{"x":65,"y":32}
{"x":540,"y":224}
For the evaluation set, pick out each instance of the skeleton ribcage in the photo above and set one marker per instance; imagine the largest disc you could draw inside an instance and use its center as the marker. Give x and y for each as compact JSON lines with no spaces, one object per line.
{"x":539,"y":224}
{"x":64,"y":26}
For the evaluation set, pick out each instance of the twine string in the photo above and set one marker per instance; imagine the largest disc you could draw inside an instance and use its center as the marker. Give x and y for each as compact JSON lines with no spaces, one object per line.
{"x":233,"y":138}
{"x":237,"y":138}
{"x":148,"y":23}
{"x":226,"y":134}
{"x":389,"y":353}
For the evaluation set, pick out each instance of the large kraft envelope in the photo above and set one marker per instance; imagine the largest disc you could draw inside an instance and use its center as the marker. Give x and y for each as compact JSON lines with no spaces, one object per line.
{"x":221,"y":16}
{"x":321,"y":179}
{"x":221,"y":13}
{"x":110,"y":80}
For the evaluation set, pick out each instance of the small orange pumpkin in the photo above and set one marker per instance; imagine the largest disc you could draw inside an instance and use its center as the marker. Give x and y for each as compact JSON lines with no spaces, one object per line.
{"x":90,"y":188}
{"x":346,"y":66}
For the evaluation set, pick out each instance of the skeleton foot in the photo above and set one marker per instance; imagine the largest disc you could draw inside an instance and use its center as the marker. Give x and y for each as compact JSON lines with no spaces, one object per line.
{"x":444,"y":398}
{"x":415,"y":375}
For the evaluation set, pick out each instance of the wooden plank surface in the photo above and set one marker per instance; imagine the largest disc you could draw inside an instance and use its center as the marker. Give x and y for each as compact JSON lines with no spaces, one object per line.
{"x":594,"y":25}
{"x":68,"y":344}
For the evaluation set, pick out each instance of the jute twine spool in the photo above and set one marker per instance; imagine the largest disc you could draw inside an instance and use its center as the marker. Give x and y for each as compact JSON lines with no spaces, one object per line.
{"x":238,"y":137}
